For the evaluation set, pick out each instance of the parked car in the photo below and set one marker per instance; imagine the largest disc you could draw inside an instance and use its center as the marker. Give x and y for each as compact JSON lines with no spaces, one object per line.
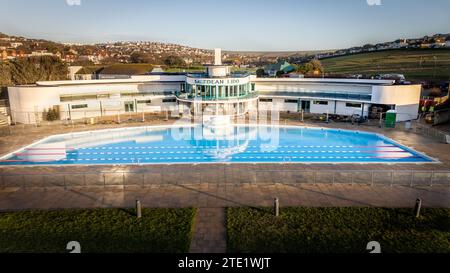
{"x":399,"y":78}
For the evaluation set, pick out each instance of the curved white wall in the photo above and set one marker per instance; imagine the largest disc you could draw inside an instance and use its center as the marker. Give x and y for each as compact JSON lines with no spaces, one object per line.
{"x":218,"y":71}
{"x":35,"y":99}
{"x":396,"y":94}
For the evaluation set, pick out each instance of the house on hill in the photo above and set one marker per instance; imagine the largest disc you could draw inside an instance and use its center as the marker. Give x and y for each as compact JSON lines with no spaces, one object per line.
{"x":283,"y":66}
{"x":124,"y":71}
{"x":115,"y":71}
{"x":88,"y":73}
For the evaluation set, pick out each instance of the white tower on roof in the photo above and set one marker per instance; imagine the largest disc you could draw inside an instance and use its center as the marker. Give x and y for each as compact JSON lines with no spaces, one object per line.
{"x":218,"y":70}
{"x":217,"y":56}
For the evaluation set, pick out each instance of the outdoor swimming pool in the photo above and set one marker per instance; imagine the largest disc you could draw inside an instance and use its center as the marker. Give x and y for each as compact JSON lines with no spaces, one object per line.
{"x":197,"y":144}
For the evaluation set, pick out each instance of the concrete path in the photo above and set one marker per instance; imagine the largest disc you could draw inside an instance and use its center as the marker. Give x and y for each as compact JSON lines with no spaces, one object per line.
{"x":209,"y":231}
{"x":225,"y":195}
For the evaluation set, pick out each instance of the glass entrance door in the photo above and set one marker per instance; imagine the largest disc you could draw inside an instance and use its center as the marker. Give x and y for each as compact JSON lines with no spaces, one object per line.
{"x":306,"y":106}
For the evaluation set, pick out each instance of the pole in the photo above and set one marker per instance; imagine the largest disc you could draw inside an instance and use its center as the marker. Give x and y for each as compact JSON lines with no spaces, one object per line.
{"x":276,"y":206}
{"x":417,"y":207}
{"x":381,"y":119}
{"x":138,"y":209}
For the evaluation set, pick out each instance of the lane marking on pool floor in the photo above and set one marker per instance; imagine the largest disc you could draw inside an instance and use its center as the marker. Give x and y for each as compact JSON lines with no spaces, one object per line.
{"x":205,"y":147}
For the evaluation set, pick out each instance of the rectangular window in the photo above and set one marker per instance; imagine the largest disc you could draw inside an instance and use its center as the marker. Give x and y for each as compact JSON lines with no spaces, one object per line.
{"x":320,"y":102}
{"x":203,"y":91}
{"x":78,"y":97}
{"x":103,"y":96}
{"x":290,"y":101}
{"x":129,"y":106}
{"x":353,"y":105}
{"x":169,"y":100}
{"x":79,"y":106}
{"x":148,"y":102}
{"x":253,"y":87}
{"x":265,"y":100}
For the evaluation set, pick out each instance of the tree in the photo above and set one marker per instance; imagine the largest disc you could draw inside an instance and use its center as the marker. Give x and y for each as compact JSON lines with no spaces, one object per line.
{"x":138,"y":57}
{"x":5,"y":75}
{"x":279,"y":74}
{"x":317,"y":66}
{"x":311,"y":67}
{"x":260,"y":73}
{"x":32,"y":69}
{"x":83,"y":63}
{"x":51,"y":114}
{"x":174,"y":61}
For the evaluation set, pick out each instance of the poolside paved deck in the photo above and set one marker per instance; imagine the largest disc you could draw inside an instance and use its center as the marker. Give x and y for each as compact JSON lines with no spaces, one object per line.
{"x":225,"y":195}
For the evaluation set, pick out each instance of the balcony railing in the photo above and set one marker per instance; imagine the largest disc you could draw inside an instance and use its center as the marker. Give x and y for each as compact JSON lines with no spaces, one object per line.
{"x":325,"y":95}
{"x":186,"y":96}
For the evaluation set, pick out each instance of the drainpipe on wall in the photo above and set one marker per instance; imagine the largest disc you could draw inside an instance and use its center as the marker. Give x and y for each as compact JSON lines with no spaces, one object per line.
{"x":70,"y":113}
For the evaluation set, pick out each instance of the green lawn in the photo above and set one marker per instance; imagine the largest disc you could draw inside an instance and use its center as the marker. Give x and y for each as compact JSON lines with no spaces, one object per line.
{"x":415,"y":64}
{"x":341,"y":230}
{"x":97,"y":230}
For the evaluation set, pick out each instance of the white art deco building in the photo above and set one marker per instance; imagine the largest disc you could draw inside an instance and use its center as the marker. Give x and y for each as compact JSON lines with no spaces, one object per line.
{"x":216,"y":92}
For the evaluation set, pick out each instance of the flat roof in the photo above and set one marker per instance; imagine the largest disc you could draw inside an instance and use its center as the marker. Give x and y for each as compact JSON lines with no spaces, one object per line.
{"x":137,"y":79}
{"x":182,"y":78}
{"x":327,"y":80}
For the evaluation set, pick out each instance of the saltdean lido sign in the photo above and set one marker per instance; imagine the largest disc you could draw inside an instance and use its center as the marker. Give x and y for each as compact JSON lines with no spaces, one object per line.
{"x":230,"y":81}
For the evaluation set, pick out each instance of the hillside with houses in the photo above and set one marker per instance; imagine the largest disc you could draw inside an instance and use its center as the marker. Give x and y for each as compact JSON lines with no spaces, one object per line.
{"x":12,"y":47}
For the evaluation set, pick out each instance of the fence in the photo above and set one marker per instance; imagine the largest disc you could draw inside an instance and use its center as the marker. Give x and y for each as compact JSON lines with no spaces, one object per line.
{"x":418,"y":128}
{"x":111,"y":120}
{"x":227,"y":176}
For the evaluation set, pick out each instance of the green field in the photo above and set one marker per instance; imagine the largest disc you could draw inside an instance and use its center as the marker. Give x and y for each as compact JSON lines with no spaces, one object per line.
{"x":415,"y":64}
{"x":337,"y":230}
{"x":97,"y":230}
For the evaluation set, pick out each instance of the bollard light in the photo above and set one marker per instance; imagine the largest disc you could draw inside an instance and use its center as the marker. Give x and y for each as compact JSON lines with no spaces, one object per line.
{"x":276,"y":206}
{"x":138,"y":209}
{"x":417,"y":207}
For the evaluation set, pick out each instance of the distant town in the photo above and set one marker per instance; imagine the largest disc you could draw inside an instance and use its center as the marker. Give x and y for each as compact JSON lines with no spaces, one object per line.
{"x":12,"y":47}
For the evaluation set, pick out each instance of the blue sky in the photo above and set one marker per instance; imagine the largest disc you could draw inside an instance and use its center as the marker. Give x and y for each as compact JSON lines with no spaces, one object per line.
{"x":232,"y":25}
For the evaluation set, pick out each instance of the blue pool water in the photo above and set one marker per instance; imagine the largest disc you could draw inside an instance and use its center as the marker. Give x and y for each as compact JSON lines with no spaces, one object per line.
{"x":235,"y":144}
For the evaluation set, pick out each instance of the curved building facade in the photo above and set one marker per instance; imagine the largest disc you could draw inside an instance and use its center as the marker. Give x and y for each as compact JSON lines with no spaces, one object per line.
{"x":217,"y":91}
